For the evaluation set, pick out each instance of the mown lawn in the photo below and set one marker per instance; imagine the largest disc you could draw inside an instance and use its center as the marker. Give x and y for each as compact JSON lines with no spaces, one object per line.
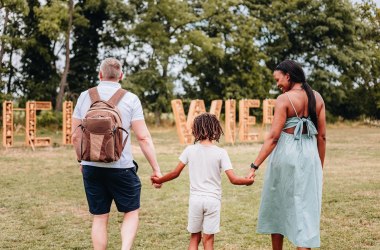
{"x":43,"y":205}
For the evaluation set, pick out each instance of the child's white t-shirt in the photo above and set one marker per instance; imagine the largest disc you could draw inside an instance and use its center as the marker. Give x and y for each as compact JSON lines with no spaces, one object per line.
{"x":205,"y":164}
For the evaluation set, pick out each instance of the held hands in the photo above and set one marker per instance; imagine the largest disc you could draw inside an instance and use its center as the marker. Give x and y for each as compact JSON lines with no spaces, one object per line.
{"x":155,"y":179}
{"x":251,"y":173}
{"x":250,"y":178}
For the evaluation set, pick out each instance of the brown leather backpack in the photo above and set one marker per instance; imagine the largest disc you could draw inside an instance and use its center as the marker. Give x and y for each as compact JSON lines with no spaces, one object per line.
{"x":102,"y":131}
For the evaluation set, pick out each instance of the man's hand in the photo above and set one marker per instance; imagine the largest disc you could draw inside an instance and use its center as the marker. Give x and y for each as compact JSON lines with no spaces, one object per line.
{"x":155,"y":180}
{"x":146,"y":144}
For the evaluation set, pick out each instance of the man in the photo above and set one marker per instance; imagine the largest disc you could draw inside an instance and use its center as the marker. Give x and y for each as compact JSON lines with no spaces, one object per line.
{"x":117,"y":180}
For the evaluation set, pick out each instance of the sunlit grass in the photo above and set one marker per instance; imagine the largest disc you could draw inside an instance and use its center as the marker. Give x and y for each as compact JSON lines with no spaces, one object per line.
{"x":43,"y":205}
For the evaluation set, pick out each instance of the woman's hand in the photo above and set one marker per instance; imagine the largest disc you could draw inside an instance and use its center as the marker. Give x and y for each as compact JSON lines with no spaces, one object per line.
{"x":251,"y":173}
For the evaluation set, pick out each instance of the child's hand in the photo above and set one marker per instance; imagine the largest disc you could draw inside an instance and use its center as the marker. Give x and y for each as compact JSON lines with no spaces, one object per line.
{"x":155,"y":180}
{"x":250,"y":181}
{"x":157,"y":175}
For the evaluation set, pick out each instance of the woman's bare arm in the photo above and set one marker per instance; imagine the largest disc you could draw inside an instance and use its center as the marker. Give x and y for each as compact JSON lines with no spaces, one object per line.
{"x":277,"y":125}
{"x":321,"y":137}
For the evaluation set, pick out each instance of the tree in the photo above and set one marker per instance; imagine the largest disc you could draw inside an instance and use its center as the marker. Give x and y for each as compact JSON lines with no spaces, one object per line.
{"x":229,"y":66}
{"x":12,"y":12}
{"x":368,"y":93}
{"x":56,"y":21}
{"x":63,"y":83}
{"x":106,"y":30}
{"x":326,"y":37}
{"x":39,"y":73}
{"x":87,"y":37}
{"x":157,"y":40}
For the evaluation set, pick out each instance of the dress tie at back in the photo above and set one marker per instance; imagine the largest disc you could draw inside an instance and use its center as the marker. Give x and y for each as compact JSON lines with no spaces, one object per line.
{"x":298,"y":124}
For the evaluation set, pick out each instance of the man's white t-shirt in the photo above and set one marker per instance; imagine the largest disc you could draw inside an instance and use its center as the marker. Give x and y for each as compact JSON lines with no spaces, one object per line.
{"x":130,"y":109}
{"x":206,"y":163}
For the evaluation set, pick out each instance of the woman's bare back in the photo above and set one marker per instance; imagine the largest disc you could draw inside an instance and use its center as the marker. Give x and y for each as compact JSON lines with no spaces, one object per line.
{"x":298,"y":98}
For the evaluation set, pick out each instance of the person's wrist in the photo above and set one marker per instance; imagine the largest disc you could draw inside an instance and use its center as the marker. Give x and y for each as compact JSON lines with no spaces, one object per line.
{"x":254,"y":167}
{"x":156,"y":169}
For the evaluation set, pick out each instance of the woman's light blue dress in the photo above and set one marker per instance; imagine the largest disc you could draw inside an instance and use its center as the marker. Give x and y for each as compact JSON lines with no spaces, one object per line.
{"x":292,"y":193}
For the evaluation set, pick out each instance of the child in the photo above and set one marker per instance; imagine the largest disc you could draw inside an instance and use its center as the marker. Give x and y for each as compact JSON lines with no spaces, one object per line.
{"x":205,"y":161}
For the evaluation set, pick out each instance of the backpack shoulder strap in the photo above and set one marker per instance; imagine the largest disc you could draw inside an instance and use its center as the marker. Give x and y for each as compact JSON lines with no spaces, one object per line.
{"x":115,"y":99}
{"x":94,"y":94}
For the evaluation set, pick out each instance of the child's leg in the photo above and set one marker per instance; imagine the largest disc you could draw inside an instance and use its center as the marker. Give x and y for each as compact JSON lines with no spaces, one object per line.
{"x":194,"y":241}
{"x":208,"y":241}
{"x":211,"y":222}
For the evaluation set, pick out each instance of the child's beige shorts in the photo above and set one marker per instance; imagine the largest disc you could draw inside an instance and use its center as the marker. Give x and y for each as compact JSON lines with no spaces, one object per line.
{"x":204,"y":214}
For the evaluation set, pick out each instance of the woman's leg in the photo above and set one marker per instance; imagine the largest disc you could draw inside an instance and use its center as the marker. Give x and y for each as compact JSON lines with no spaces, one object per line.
{"x":194,"y":241}
{"x":277,"y":240}
{"x":208,"y":241}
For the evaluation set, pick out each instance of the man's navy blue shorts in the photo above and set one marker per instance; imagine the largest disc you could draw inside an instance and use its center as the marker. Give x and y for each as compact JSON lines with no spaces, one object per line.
{"x":102,"y":185}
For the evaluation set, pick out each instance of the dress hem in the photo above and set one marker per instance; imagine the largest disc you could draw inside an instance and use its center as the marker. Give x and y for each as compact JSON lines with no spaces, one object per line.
{"x":293,"y":242}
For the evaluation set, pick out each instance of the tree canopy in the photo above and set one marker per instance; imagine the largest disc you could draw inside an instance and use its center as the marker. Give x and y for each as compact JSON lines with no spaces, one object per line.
{"x":217,"y":49}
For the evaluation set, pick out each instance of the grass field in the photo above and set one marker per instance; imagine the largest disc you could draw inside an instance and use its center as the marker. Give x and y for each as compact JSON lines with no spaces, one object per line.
{"x":43,"y":205}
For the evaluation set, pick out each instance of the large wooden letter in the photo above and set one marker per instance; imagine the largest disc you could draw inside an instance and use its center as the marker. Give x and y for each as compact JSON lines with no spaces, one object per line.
{"x":197,"y":107}
{"x":31,"y":122}
{"x":246,"y":121}
{"x":67,"y":118}
{"x":268,"y":114}
{"x":180,"y":121}
{"x":268,"y":111}
{"x":7,"y":124}
{"x":216,"y":108}
{"x":230,"y":120}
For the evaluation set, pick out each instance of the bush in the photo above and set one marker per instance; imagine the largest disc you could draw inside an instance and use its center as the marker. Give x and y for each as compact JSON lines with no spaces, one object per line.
{"x":50,"y":119}
{"x":330,"y":118}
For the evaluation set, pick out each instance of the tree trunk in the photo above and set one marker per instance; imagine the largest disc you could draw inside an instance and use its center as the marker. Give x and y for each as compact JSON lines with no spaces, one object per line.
{"x":11,"y":72}
{"x":2,"y":49}
{"x":63,"y":84}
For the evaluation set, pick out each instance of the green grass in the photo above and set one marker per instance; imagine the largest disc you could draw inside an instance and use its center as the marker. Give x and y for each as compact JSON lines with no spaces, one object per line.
{"x":43,"y":205}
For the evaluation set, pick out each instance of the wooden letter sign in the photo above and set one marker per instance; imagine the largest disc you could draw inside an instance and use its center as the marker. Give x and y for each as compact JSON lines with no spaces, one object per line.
{"x":246,"y":121}
{"x":67,"y":118}
{"x":31,"y":122}
{"x":7,"y":124}
{"x":180,"y":118}
{"x":230,"y":121}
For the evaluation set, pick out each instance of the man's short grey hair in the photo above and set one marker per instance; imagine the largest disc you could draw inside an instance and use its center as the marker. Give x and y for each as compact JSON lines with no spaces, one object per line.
{"x":110,"y":68}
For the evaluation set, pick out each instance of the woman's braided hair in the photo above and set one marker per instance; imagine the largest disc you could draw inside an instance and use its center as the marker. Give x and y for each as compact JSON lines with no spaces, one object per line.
{"x":206,"y":126}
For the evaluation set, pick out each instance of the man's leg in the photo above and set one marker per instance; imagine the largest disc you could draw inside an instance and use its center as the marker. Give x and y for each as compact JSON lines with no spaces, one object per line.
{"x":99,"y":231}
{"x":277,"y":240}
{"x":194,"y":241}
{"x":208,"y":241}
{"x":129,"y":229}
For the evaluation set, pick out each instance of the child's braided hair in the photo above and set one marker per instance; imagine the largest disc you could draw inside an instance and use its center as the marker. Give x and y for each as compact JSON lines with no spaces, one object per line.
{"x":206,"y":126}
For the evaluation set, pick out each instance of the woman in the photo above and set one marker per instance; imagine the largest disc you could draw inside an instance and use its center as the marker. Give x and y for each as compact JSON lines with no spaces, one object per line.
{"x":292,"y":192}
